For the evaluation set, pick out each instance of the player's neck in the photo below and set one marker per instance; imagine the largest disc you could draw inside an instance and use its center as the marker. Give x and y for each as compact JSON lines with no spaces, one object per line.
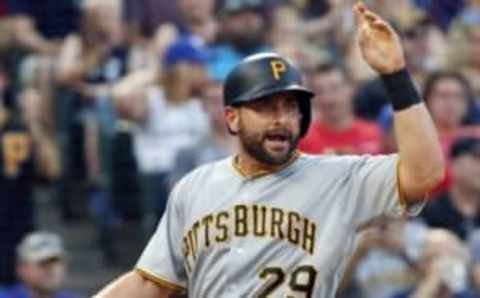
{"x":248,"y":166}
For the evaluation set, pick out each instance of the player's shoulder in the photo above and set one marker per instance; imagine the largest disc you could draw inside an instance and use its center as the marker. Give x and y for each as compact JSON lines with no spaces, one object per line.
{"x":342,"y":162}
{"x":326,"y":159}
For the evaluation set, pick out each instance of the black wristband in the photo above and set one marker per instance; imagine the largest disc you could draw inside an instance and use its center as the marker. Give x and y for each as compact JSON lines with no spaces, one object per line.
{"x":401,"y":90}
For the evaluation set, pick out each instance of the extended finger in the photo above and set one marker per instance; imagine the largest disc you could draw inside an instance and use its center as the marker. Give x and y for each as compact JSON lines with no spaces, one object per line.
{"x":360,"y":6}
{"x":358,"y":9}
{"x":371,"y":17}
{"x":366,"y":14}
{"x":381,"y":26}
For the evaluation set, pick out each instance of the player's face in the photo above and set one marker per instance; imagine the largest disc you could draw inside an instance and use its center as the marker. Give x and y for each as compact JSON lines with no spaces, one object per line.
{"x":269,"y":129}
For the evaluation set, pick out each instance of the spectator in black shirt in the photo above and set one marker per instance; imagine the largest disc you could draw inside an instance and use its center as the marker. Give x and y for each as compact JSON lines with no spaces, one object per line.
{"x":459,"y":209}
{"x":27,"y":154}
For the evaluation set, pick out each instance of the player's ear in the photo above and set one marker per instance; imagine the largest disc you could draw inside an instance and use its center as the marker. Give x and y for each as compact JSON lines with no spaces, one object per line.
{"x":232,"y":119}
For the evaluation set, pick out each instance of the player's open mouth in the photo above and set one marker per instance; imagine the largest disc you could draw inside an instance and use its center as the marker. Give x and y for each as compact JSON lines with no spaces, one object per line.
{"x":277,"y":140}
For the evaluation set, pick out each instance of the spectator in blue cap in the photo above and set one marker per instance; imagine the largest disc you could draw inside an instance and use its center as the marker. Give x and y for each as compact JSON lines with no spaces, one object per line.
{"x":41,"y":268}
{"x":189,"y":49}
{"x":170,"y":118}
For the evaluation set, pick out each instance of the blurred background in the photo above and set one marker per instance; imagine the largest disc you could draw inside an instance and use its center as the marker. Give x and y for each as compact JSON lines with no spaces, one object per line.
{"x":105,"y":104}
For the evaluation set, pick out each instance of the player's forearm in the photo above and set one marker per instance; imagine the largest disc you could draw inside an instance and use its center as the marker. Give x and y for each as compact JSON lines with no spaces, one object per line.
{"x":133,"y":284}
{"x":421,"y":159}
{"x":421,"y":165}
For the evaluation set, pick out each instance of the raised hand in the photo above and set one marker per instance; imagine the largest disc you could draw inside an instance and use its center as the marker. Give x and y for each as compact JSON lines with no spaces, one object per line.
{"x":379,"y":44}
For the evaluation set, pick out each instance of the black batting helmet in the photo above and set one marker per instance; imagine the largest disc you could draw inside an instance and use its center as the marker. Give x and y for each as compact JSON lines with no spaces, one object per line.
{"x":261,"y":75}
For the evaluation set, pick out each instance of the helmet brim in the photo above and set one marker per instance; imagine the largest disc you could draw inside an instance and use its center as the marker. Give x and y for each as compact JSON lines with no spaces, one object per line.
{"x":302,"y":92}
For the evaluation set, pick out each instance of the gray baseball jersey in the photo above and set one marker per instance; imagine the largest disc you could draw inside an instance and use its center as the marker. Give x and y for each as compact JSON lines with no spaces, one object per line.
{"x":287,"y":234}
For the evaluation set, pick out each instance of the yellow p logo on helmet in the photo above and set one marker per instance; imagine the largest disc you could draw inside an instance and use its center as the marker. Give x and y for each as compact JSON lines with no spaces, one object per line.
{"x":278,"y":67}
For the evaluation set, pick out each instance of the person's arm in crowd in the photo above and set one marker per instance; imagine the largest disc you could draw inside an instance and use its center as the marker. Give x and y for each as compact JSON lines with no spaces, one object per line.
{"x":139,"y":79}
{"x":70,"y":67}
{"x":134,"y":82}
{"x":73,"y":64}
{"x":133,"y":284}
{"x":129,"y":96}
{"x":364,"y":245}
{"x":90,"y":147}
{"x":430,"y":287}
{"x":439,"y":277}
{"x":384,"y":235}
{"x":26,"y":36}
{"x":46,"y":155}
{"x":421,"y":165}
{"x":142,"y":78}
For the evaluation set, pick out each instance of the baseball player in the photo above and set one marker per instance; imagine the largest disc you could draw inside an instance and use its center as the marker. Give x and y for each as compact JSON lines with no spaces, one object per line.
{"x":270,"y":222}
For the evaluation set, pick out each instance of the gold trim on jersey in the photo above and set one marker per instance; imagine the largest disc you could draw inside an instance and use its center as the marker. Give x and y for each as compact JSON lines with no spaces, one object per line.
{"x":261,"y":173}
{"x":161,"y":281}
{"x":402,"y":197}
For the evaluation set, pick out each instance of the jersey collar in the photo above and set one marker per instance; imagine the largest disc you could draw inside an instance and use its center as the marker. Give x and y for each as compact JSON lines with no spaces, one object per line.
{"x":262,"y":173}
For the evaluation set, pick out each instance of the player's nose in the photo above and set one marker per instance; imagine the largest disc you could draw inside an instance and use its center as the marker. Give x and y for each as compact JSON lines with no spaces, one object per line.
{"x":284,"y":111}
{"x":281,"y":116}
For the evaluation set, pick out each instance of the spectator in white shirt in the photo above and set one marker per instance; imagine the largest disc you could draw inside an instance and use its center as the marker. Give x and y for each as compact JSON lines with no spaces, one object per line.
{"x":169,"y":118}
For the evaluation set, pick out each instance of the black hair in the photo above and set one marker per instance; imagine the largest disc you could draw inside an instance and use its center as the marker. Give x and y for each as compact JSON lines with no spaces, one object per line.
{"x":436,"y":76}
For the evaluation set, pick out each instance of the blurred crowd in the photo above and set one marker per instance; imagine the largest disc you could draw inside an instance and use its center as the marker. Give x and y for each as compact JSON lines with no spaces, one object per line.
{"x":107,"y":103}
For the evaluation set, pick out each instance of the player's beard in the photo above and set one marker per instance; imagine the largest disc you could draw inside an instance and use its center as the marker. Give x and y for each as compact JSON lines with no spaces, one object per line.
{"x":255,"y":145}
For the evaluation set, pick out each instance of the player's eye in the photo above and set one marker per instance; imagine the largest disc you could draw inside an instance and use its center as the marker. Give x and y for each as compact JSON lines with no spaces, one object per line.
{"x":260,"y":105}
{"x":291,"y":104}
